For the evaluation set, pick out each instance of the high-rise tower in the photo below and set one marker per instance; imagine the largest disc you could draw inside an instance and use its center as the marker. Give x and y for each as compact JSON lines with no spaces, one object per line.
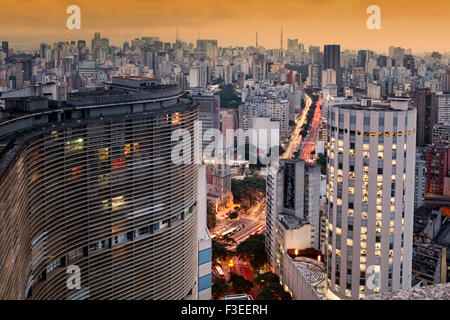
{"x":93,"y":186}
{"x":370,"y":193}
{"x":332,"y":60}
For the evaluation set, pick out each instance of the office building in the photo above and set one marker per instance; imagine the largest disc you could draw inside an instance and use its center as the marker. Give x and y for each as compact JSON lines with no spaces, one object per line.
{"x":441,"y":134}
{"x":332,"y":60}
{"x":198,"y":77}
{"x":443,"y":101}
{"x":370,"y":194}
{"x":427,"y":114}
{"x":420,"y":181}
{"x":209,"y":114}
{"x":438,"y":160}
{"x":291,"y":233}
{"x":5,"y":48}
{"x":293,"y":189}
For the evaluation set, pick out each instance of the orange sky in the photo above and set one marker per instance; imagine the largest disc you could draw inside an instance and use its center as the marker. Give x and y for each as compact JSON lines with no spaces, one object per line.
{"x":421,"y":25}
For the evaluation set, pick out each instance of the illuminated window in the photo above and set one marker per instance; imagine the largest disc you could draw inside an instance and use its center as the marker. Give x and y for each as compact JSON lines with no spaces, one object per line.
{"x":103,"y":154}
{"x":74,"y":145}
{"x":118,"y":164}
{"x":127,"y":150}
{"x":117,"y":202}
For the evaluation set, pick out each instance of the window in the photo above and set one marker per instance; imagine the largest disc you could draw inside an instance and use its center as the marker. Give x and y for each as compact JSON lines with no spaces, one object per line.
{"x":54,"y":265}
{"x":76,"y":254}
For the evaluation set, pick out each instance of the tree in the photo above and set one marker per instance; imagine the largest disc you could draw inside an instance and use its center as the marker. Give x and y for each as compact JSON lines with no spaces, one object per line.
{"x":271,"y":288}
{"x":219,"y":251}
{"x":253,"y":249}
{"x":228,"y":97}
{"x":233,"y":215}
{"x":267,"y":277}
{"x":210,"y":216}
{"x":220,"y":288}
{"x":273,"y":291}
{"x":227,"y":241}
{"x":240,"y":284}
{"x":248,"y":189}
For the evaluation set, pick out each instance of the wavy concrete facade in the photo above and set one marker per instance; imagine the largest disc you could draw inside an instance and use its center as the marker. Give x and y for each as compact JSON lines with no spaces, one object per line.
{"x":97,"y":189}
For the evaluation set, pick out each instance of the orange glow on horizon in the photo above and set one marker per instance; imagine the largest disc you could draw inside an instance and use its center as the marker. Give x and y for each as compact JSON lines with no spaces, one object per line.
{"x":406,"y":23}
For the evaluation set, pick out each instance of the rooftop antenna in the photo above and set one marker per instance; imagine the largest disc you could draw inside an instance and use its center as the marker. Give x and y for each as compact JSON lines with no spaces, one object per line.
{"x":256,"y":39}
{"x":67,"y":36}
{"x":281,"y":39}
{"x":176,"y":40}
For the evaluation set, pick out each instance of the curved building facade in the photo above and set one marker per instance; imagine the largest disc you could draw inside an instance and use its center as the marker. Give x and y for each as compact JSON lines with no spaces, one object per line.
{"x":92,"y":185}
{"x":370,"y":193}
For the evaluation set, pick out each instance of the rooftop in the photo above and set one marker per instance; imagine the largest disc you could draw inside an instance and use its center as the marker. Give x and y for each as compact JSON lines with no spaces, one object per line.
{"x":399,"y":104}
{"x":291,"y":222}
{"x":434,"y":292}
{"x":313,"y":271}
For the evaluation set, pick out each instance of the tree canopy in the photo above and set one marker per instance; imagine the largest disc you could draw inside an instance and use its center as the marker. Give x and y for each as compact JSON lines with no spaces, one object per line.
{"x":248,"y":189}
{"x":240,"y":284}
{"x":228,"y":97}
{"x":271,"y":289}
{"x":254,"y":250}
{"x":220,"y":287}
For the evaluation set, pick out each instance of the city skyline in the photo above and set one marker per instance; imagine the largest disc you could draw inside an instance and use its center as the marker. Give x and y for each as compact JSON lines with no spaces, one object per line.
{"x":313,"y":23}
{"x":290,"y":150}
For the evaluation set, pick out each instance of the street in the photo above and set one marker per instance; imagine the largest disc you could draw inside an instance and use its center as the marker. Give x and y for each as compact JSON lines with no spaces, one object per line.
{"x":296,"y":138}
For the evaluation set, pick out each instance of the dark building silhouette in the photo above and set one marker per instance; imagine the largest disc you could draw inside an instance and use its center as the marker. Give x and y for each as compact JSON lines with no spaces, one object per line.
{"x":332,"y":60}
{"x":426,"y":104}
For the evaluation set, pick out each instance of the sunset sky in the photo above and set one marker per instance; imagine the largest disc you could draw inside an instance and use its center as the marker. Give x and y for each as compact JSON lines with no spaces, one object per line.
{"x":420,"y":25}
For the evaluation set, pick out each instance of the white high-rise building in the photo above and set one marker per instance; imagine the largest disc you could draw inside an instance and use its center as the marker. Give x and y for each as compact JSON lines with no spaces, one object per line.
{"x":328,"y":77}
{"x":444,"y":108}
{"x":197,"y":77}
{"x":293,"y":189}
{"x":370,"y":193}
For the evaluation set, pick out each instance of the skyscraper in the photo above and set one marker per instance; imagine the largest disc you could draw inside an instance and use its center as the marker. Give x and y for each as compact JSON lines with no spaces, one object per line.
{"x":5,"y":48}
{"x":202,"y":45}
{"x":426,"y":104}
{"x":209,"y":105}
{"x":293,"y":189}
{"x":370,"y":195}
{"x":332,"y":60}
{"x":93,"y":186}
